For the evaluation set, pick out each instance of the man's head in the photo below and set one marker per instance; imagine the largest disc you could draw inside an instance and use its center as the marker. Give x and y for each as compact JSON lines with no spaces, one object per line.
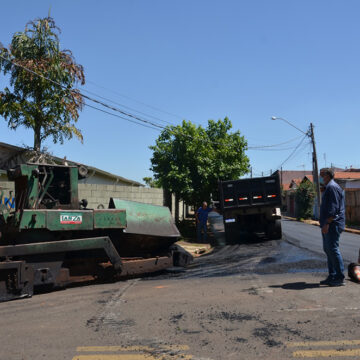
{"x":204,"y":205}
{"x":327,"y":174}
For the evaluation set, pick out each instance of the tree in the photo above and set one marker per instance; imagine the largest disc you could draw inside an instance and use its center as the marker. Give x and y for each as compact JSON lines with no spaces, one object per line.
{"x":188,"y":160}
{"x":49,"y":107}
{"x":305,"y":198}
{"x":150,"y":182}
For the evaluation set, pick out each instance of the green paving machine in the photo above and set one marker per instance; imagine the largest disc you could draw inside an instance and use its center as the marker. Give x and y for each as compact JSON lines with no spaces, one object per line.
{"x":52,"y":239}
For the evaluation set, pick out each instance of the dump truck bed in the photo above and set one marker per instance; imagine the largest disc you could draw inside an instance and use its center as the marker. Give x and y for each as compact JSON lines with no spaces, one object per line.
{"x":254,"y":192}
{"x":251,"y":205}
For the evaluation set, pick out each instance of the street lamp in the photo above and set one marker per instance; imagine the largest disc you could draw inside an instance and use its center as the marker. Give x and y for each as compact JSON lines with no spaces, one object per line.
{"x":288,"y":122}
{"x":311,"y":135}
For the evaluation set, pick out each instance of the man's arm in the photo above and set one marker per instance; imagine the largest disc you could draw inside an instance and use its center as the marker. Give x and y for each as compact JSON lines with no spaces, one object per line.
{"x":331,"y":208}
{"x":332,"y":204}
{"x":197,"y":216}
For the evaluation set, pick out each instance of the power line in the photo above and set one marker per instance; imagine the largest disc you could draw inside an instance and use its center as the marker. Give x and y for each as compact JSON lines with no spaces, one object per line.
{"x":137,"y":101}
{"x":147,"y":122}
{"x":136,"y":119}
{"x":293,"y":152}
{"x":121,"y":117}
{"x":122,"y":112}
{"x":128,"y":107}
{"x":85,"y":96}
{"x":264,"y":149}
{"x":256,"y":147}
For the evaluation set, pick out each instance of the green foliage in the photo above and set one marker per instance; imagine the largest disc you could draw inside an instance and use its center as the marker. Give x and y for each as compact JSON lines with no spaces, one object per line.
{"x":150,"y":182}
{"x":34,"y":102}
{"x":305,"y":198}
{"x":188,"y":160}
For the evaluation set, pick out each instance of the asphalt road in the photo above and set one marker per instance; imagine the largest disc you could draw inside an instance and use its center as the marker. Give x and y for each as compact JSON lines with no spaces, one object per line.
{"x":258,"y":299}
{"x":309,"y":237}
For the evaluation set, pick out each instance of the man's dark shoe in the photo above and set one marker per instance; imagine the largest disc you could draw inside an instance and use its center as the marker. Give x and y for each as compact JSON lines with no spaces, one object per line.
{"x":326,"y":281}
{"x":337,"y":283}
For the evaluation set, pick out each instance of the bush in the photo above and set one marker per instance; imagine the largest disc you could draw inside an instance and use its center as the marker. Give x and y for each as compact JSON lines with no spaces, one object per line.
{"x":305,"y":198}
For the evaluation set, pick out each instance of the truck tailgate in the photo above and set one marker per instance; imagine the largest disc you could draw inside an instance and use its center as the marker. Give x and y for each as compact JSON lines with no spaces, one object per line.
{"x":250,"y":192}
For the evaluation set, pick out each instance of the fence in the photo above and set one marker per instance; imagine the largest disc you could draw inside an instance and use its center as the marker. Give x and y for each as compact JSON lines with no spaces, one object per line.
{"x":352,"y":206}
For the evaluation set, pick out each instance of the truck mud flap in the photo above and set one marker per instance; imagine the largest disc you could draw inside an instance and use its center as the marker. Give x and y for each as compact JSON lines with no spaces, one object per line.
{"x":16,"y":280}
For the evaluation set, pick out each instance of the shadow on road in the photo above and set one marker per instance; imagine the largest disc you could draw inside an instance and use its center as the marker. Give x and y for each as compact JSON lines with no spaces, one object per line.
{"x":297,"y":286}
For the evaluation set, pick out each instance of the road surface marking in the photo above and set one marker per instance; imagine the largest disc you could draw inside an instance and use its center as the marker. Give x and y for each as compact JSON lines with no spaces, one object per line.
{"x":324,"y":343}
{"x":131,"y":348}
{"x":131,"y":357}
{"x":319,"y":308}
{"x":326,"y":353}
{"x":328,"y":309}
{"x":162,"y":352}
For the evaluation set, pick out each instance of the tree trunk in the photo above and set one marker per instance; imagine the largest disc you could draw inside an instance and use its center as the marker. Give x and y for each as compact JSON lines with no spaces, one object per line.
{"x":167,"y":199}
{"x":177,"y":208}
{"x":37,"y":139}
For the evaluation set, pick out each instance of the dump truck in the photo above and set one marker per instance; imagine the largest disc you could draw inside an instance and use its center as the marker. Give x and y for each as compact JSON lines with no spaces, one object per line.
{"x":251,"y":205}
{"x":51,"y":238}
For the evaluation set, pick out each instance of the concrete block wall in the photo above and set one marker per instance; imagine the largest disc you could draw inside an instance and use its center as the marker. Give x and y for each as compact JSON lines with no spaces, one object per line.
{"x":98,"y":195}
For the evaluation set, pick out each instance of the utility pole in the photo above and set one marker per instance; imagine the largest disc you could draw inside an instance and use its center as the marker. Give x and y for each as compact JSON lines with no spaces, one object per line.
{"x":315,"y":170}
{"x":309,"y":134}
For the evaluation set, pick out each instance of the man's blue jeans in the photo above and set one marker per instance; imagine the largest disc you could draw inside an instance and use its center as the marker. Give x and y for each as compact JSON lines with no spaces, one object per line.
{"x":332,"y":251}
{"x":201,"y":226}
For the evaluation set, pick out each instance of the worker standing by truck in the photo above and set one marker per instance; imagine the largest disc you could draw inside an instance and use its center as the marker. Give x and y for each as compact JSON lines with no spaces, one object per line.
{"x":201,"y":217}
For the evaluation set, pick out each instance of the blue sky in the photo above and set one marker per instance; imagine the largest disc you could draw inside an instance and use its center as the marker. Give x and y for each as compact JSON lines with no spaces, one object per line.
{"x":199,"y":60}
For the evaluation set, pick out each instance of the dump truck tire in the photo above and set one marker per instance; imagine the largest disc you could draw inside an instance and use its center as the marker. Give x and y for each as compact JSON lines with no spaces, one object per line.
{"x":274,"y":230}
{"x":231,"y":233}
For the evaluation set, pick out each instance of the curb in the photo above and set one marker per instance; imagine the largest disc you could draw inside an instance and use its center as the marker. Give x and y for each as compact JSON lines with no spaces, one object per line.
{"x":316,"y":223}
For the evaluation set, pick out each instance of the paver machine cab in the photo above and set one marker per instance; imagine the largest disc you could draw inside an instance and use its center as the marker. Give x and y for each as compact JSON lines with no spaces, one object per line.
{"x":51,"y":238}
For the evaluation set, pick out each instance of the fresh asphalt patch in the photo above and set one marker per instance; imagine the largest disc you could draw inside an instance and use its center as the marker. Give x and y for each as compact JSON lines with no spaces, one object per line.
{"x":257,"y":256}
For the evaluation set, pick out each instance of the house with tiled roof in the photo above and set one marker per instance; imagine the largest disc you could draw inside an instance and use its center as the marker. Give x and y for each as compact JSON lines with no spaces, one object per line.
{"x":348,"y":180}
{"x":295,"y":183}
{"x":289,"y":180}
{"x":289,"y":195}
{"x":286,"y":176}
